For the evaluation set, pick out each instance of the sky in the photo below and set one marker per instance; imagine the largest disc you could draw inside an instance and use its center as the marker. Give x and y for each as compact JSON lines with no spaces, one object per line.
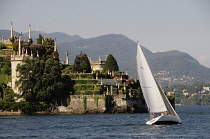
{"x":159,"y":25}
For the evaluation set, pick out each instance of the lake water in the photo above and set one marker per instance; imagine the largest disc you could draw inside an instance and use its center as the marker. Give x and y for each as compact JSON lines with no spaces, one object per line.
{"x":196,"y":124}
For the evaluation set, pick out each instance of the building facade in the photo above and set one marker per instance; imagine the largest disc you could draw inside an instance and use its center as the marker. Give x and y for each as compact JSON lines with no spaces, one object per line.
{"x":97,"y":65}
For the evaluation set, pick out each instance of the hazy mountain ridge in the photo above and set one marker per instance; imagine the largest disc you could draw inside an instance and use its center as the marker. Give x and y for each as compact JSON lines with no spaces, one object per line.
{"x":117,"y":45}
{"x":6,"y":33}
{"x":177,"y":64}
{"x":60,"y":36}
{"x":180,"y":65}
{"x":171,"y":60}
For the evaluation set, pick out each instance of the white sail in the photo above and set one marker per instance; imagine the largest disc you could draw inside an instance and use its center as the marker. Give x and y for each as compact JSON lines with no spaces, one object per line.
{"x":148,"y":84}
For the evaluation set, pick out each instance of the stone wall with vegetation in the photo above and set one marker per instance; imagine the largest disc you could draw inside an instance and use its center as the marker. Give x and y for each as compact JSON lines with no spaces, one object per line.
{"x":121,"y":104}
{"x":80,"y":104}
{"x":88,"y":103}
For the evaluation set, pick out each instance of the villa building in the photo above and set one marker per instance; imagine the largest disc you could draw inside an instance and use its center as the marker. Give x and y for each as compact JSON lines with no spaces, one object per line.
{"x":97,"y":65}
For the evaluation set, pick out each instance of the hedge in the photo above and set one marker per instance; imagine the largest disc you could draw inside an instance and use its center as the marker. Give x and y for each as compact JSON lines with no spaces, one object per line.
{"x":82,"y":76}
{"x":24,"y":107}
{"x":86,"y":81}
{"x":6,"y":52}
{"x":87,"y":92}
{"x":87,"y":87}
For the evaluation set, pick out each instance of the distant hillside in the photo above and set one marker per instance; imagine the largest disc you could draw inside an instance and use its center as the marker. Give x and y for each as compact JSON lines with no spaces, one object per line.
{"x":121,"y":47}
{"x":178,"y":65}
{"x":60,"y":36}
{"x":6,"y":34}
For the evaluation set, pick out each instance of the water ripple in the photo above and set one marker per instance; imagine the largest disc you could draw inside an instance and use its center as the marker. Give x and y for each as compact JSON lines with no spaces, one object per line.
{"x":195,"y":124}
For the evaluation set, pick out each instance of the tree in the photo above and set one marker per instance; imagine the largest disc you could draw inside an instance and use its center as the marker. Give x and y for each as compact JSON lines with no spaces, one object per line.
{"x":82,"y":63}
{"x":6,"y":93}
{"x":27,"y":80}
{"x":12,"y":40}
{"x":6,"y":69}
{"x":40,"y":80}
{"x":15,"y":46}
{"x":67,"y":88}
{"x":111,"y":64}
{"x":2,"y":45}
{"x":30,"y":40}
{"x":39,"y":39}
{"x":49,"y":47}
{"x":51,"y":81}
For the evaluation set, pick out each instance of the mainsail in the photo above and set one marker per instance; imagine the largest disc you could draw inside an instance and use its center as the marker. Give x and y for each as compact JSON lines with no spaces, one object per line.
{"x":151,"y":92}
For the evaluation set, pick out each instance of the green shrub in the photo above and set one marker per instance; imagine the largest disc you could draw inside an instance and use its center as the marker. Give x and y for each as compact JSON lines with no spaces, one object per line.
{"x":98,"y":87}
{"x":86,"y":81}
{"x":82,"y":76}
{"x":4,"y":78}
{"x":87,"y":92}
{"x":8,"y":106}
{"x":87,"y":87}
{"x":2,"y":59}
{"x":87,"y":76}
{"x":2,"y":45}
{"x":24,"y":107}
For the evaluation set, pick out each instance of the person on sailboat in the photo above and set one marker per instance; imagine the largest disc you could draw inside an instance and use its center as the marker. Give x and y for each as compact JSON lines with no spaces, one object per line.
{"x":164,"y":113}
{"x":153,"y":115}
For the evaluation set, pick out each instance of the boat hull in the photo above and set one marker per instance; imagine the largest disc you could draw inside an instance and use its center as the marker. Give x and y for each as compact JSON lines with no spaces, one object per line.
{"x":161,"y":120}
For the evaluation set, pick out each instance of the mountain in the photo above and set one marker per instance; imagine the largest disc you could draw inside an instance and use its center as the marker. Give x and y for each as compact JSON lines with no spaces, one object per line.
{"x":122,"y":48}
{"x":178,"y":67}
{"x":169,"y":67}
{"x":60,"y":36}
{"x":6,"y":33}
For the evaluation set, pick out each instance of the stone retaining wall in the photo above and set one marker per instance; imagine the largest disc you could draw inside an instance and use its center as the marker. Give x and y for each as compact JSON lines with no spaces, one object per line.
{"x":85,"y":104}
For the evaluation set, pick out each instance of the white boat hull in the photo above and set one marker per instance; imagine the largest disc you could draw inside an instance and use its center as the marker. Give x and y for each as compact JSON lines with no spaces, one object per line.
{"x":169,"y":119}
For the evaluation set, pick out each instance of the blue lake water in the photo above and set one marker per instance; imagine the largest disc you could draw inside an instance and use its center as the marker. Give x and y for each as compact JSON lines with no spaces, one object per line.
{"x":196,"y":124}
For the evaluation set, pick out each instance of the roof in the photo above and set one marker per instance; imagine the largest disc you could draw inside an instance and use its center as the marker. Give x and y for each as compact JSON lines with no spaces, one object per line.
{"x":108,"y":81}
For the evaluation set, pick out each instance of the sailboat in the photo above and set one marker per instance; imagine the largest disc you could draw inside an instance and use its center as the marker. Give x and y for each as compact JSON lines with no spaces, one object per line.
{"x":156,"y":100}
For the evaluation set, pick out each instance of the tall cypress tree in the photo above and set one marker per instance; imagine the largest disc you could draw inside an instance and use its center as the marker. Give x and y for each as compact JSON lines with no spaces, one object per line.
{"x":39,"y":39}
{"x":111,"y":64}
{"x":51,"y":80}
{"x":82,"y":63}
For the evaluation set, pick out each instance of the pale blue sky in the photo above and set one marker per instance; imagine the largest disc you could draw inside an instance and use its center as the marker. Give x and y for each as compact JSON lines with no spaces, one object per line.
{"x":159,"y":25}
